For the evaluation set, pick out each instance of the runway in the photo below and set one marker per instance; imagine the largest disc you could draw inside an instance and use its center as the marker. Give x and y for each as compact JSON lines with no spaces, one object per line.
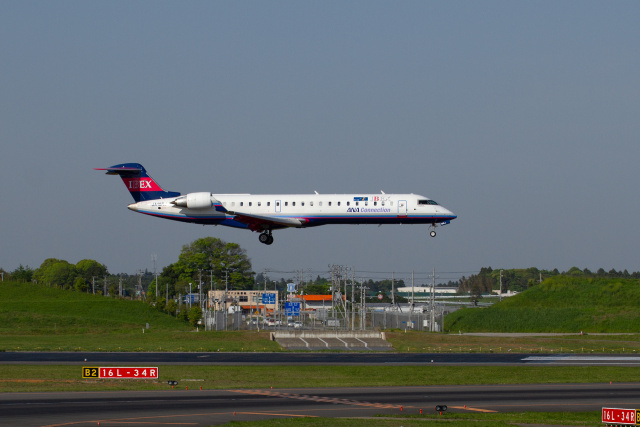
{"x":196,"y":407}
{"x":211,"y":407}
{"x":289,"y":358}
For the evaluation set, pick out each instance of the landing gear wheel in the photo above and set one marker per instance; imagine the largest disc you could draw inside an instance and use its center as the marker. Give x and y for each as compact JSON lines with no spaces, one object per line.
{"x":266,"y":238}
{"x":433,"y":233}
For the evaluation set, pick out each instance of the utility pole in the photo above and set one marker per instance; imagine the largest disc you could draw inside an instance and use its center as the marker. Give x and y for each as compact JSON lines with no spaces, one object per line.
{"x":500,"y":285}
{"x":353,"y":301}
{"x":433,"y":294}
{"x":226,"y":288}
{"x":412,"y":291}
{"x":200,"y":288}
{"x":154,"y":258}
{"x":393,"y":295}
{"x":361,"y":305}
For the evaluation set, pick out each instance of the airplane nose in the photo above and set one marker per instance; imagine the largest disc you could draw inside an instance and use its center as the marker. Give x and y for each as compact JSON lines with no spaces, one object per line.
{"x":133,"y":207}
{"x":451,"y":214}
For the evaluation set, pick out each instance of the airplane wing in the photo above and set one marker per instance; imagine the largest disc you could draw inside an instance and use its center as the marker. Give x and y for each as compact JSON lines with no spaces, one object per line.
{"x":261,"y":223}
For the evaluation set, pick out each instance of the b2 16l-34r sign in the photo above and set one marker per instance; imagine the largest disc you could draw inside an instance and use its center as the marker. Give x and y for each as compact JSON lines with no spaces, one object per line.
{"x":111,"y":372}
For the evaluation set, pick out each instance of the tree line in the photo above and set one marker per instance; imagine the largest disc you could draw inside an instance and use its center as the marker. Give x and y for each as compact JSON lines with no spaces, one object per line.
{"x":216,"y":264}
{"x":518,"y":280}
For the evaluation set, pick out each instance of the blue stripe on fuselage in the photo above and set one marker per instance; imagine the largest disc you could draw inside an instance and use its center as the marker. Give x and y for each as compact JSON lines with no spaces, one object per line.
{"x":310,"y":221}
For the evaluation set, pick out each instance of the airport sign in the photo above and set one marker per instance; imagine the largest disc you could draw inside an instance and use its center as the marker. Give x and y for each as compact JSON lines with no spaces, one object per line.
{"x":111,"y":372}
{"x":619,"y":416}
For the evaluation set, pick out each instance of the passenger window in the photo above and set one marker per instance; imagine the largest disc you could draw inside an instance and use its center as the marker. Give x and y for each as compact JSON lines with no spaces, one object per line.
{"x":301,"y":203}
{"x":310,"y":203}
{"x":259,"y":203}
{"x":293,"y":203}
{"x":348,"y":203}
{"x":338,"y":203}
{"x":329,"y":204}
{"x":250,"y":203}
{"x":268,"y":203}
{"x":286,"y":203}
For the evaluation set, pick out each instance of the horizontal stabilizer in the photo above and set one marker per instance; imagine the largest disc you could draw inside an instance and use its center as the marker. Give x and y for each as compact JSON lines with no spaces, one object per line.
{"x":120,"y":171}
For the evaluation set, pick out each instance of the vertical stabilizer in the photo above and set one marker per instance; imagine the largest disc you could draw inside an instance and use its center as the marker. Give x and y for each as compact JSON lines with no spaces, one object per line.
{"x":140,"y":185}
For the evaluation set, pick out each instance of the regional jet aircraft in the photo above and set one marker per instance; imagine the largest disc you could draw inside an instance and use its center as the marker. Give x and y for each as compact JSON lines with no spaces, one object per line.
{"x":268,"y":212}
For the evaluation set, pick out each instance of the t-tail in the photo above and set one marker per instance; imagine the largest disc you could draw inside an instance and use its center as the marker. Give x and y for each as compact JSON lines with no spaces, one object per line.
{"x":140,"y":185}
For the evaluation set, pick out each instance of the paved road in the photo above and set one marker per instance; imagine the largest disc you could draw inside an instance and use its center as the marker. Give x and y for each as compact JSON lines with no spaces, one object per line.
{"x":210,"y":407}
{"x":79,"y":358}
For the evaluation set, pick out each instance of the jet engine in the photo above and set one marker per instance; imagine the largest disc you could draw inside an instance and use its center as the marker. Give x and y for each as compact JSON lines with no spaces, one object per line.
{"x":194,"y":201}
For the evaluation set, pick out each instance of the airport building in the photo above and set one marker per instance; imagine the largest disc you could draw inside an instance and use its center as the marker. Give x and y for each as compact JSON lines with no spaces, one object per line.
{"x":243,"y":300}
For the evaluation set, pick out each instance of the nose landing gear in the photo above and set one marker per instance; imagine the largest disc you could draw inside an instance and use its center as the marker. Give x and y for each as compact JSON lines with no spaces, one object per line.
{"x":266,"y":237}
{"x":432,"y":233}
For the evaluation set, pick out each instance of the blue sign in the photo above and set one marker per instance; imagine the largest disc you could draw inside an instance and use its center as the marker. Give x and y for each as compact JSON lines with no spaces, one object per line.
{"x":292,"y":309}
{"x":291,"y":287}
{"x":191,"y":298}
{"x":268,"y":298}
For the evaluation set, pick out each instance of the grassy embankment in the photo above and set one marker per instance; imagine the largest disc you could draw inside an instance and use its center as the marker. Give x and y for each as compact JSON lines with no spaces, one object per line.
{"x":39,"y":318}
{"x":559,"y":304}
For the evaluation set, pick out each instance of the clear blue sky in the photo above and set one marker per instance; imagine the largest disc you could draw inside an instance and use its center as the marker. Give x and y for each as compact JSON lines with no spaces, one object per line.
{"x":520,"y":117}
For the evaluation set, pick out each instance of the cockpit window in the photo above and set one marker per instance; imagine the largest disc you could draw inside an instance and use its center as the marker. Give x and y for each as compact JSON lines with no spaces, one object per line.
{"x":427,"y":202}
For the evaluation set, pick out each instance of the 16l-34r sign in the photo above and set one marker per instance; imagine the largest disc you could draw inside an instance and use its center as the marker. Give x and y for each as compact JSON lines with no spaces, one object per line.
{"x":619,"y":416}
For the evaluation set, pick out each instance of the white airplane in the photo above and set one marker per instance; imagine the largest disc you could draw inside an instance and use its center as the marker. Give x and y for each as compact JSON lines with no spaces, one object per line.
{"x":267,"y":212}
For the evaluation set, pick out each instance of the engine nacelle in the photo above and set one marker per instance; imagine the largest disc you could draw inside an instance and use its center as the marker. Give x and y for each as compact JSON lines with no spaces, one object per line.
{"x":195,"y":201}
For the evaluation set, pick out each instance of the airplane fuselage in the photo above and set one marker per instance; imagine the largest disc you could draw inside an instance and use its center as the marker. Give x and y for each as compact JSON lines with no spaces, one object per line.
{"x":310,"y":209}
{"x":267,"y":212}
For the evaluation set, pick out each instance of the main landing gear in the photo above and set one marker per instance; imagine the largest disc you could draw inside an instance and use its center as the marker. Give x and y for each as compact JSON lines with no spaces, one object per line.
{"x":266,"y":237}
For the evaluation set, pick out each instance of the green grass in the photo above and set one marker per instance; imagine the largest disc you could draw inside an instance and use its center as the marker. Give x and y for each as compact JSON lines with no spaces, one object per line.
{"x":31,"y":378}
{"x":421,"y":342}
{"x":364,"y":422}
{"x":31,"y":309}
{"x":447,"y":419}
{"x":40,"y":318}
{"x":559,"y":304}
{"x":151,"y":340}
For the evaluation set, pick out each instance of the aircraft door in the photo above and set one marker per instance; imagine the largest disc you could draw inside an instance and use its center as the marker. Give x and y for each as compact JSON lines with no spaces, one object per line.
{"x":402,"y":208}
{"x":278,"y":207}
